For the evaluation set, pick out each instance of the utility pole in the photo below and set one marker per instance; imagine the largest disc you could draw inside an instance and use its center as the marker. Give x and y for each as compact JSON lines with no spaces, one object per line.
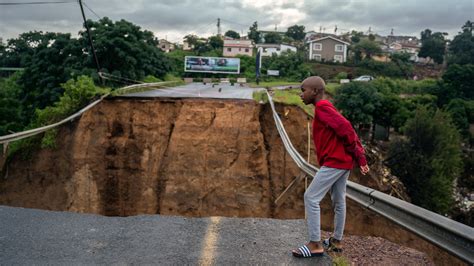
{"x":90,"y":42}
{"x":219,"y":27}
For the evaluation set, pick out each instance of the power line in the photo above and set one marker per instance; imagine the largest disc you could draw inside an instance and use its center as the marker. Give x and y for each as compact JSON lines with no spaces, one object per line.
{"x":90,"y":9}
{"x":37,"y":3}
{"x":233,"y":22}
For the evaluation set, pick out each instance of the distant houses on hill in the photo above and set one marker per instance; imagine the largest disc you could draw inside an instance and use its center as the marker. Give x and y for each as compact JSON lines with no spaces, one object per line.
{"x":321,"y":46}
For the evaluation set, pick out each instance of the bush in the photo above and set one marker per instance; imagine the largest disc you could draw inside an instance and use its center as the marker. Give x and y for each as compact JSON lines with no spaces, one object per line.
{"x":458,"y":111}
{"x":151,"y":79}
{"x":357,"y":101}
{"x":77,"y":94}
{"x":388,"y":69}
{"x":429,"y":161}
{"x":11,"y":111}
{"x":403,"y":86}
{"x":341,"y":75}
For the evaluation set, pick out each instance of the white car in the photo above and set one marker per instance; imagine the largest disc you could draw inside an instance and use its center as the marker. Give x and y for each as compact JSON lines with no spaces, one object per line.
{"x":364,"y":78}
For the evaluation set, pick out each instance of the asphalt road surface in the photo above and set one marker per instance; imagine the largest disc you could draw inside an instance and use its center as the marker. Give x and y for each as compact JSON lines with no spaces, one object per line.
{"x":29,"y":236}
{"x":200,"y":90}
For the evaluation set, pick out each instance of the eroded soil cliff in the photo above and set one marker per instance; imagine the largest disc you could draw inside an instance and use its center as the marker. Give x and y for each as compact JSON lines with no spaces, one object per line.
{"x":190,"y":157}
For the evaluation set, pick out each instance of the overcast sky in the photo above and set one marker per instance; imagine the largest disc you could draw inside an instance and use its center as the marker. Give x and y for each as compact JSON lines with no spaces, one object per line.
{"x":173,"y":19}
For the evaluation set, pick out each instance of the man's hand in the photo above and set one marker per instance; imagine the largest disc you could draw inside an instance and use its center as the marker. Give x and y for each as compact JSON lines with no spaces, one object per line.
{"x":364,"y":169}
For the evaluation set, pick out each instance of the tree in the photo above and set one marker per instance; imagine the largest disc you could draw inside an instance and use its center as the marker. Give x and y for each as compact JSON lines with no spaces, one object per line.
{"x":433,"y":45}
{"x":400,"y":57}
{"x":48,"y":67}
{"x":402,"y":60}
{"x":254,"y":34}
{"x":191,"y":39}
{"x":461,"y":49}
{"x":367,"y":47}
{"x":390,"y":105}
{"x":358,"y":101}
{"x":272,"y":37}
{"x":458,"y":81}
{"x":296,"y":32}
{"x":126,"y":50}
{"x":459,"y":114}
{"x":11,"y":118}
{"x":290,"y":64}
{"x":232,"y":34}
{"x":216,"y":42}
{"x":356,"y":36}
{"x":50,"y":59}
{"x":429,"y":160}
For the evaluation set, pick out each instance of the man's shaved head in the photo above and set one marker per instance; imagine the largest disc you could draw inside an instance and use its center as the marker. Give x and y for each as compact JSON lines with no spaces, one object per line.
{"x":315,"y":83}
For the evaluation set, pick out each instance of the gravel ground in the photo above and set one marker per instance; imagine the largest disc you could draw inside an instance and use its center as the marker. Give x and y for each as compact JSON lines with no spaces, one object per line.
{"x":367,"y":250}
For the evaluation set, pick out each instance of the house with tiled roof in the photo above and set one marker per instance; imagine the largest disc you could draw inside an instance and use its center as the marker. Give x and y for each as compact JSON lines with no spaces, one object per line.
{"x":234,"y":47}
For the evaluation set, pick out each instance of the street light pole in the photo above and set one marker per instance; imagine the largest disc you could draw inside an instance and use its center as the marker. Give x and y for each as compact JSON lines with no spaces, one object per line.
{"x":90,"y":41}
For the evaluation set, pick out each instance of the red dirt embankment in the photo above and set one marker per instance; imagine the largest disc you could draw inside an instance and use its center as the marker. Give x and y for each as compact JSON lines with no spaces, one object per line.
{"x":190,"y":157}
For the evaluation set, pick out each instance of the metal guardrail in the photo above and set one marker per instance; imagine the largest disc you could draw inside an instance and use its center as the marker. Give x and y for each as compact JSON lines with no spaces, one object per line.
{"x":454,"y":237}
{"x":32,"y":132}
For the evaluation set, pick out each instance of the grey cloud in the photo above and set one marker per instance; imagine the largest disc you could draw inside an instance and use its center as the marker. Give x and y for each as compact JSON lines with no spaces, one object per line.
{"x":185,"y":16}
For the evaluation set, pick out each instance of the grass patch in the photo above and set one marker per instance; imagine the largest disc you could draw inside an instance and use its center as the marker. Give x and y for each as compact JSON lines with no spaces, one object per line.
{"x":289,"y":96}
{"x":331,"y":88}
{"x":340,"y":261}
{"x":265,"y":84}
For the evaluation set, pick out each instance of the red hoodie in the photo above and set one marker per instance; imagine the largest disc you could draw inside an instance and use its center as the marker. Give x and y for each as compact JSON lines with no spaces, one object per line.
{"x":337,"y":144}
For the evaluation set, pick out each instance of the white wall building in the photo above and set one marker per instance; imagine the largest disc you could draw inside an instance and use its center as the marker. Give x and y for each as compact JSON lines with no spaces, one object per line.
{"x":269,"y":49}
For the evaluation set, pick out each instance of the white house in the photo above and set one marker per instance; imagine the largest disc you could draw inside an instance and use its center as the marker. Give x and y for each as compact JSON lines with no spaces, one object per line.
{"x":269,"y":49}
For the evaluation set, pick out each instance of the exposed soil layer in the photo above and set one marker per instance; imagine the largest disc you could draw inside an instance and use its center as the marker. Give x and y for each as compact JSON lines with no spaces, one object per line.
{"x":189,"y":157}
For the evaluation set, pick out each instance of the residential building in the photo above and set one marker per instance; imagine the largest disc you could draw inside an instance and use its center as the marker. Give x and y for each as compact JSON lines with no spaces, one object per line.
{"x":312,"y":35}
{"x":270,"y":49}
{"x":406,"y":47}
{"x":234,"y":47}
{"x":187,"y":46}
{"x":166,"y":46}
{"x":403,"y":39}
{"x":329,"y":49}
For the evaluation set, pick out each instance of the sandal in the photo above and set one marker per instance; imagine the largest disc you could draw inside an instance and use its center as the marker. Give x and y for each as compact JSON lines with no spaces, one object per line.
{"x":305,"y":252}
{"x":330,"y":245}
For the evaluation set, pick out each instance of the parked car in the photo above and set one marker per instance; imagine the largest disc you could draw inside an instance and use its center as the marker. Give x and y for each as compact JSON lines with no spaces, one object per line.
{"x":364,"y":78}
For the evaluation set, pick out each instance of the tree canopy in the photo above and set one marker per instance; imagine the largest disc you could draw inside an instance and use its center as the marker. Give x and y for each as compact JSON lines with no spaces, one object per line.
{"x":254,"y":34}
{"x":296,"y":32}
{"x":433,"y":45}
{"x":358,"y":101}
{"x":232,"y":34}
{"x":49,"y":59}
{"x":272,"y":37}
{"x":367,"y":47}
{"x":461,"y":49}
{"x":429,"y":160}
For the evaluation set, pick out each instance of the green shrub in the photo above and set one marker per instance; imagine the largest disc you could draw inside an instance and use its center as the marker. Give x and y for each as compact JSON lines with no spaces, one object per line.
{"x":77,"y":94}
{"x":429,"y":160}
{"x":151,"y":79}
{"x":341,"y":75}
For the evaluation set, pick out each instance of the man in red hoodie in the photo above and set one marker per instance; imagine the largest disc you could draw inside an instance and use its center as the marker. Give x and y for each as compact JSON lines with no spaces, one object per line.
{"x":338,"y":148}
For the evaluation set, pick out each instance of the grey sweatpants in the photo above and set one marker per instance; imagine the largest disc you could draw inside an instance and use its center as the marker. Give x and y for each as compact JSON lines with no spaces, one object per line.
{"x":326,"y":179}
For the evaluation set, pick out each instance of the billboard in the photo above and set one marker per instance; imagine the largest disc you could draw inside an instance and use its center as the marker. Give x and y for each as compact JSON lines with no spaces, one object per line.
{"x":212,"y":64}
